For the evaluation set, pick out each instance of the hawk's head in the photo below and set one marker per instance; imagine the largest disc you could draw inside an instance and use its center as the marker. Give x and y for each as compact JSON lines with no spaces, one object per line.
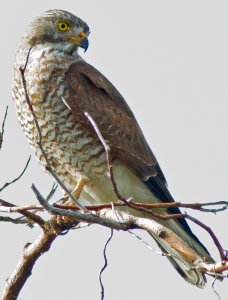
{"x":58,"y":27}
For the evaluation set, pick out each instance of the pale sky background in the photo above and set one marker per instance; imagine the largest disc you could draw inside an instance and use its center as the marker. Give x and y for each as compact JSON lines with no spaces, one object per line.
{"x":170,"y":61}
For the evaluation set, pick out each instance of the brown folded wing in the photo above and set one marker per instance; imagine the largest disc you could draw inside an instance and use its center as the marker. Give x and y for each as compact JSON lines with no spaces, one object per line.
{"x":92,"y":92}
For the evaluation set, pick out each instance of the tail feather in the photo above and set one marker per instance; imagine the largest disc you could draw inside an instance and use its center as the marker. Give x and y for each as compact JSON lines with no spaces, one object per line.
{"x":157,"y":185}
{"x":186,"y":270}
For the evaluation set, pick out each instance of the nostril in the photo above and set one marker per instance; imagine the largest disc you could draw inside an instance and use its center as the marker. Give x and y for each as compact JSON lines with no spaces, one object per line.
{"x":82,"y":35}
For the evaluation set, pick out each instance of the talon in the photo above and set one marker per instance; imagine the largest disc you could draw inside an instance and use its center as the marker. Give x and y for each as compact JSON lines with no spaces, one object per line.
{"x":53,"y":225}
{"x":62,"y":221}
{"x":64,"y":199}
{"x":59,"y":220}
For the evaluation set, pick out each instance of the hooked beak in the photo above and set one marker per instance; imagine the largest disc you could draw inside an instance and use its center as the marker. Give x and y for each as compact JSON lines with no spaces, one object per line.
{"x":81,"y":40}
{"x":84,"y":44}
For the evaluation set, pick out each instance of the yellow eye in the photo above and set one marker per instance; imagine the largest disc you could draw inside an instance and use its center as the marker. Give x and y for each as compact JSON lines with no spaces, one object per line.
{"x":63,"y":26}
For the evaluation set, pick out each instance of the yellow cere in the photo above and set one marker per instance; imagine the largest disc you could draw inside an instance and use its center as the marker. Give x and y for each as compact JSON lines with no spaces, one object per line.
{"x":82,"y":35}
{"x":63,"y":25}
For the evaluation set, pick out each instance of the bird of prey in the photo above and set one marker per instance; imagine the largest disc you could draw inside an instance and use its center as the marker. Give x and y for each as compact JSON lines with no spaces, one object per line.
{"x":62,"y":87}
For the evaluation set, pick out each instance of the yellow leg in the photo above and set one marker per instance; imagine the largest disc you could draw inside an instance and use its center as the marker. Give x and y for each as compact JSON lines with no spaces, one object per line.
{"x":76,"y":193}
{"x":68,"y":201}
{"x":79,"y":187}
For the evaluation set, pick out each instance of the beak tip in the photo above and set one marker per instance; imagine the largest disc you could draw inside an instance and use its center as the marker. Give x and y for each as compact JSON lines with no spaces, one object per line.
{"x":84,"y":44}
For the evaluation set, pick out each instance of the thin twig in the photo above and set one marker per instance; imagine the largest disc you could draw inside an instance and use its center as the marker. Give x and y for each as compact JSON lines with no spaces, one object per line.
{"x":105,"y":264}
{"x":211,"y":233}
{"x":31,"y":216}
{"x":219,"y":276}
{"x":213,"y":288}
{"x":3,"y":127}
{"x":39,"y":143}
{"x":147,"y":245}
{"x":81,"y":225}
{"x":97,"y":130}
{"x":194,"y":206}
{"x":14,"y":221}
{"x":19,"y":209}
{"x":17,"y":178}
{"x":52,"y":191}
{"x":97,"y":207}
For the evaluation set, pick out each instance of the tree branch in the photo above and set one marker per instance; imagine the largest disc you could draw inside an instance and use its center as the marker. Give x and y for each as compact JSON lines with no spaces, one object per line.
{"x":24,"y":268}
{"x":14,"y":221}
{"x":194,"y":206}
{"x":31,"y":216}
{"x":88,"y":217}
{"x":17,"y":178}
{"x":124,"y":221}
{"x":15,"y":209}
{"x":97,"y":207}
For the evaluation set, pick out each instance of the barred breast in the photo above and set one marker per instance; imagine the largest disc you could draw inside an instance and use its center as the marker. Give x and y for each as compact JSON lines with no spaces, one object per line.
{"x":73,"y":152}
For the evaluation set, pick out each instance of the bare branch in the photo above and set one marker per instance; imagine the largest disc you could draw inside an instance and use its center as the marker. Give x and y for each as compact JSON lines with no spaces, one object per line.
{"x":19,"y":209}
{"x":147,"y":245}
{"x":16,"y":179}
{"x":105,"y":264}
{"x":16,"y":209}
{"x":31,"y":216}
{"x":97,"y":207}
{"x":214,"y":290}
{"x":124,"y":221}
{"x":24,"y":268}
{"x":211,"y":233}
{"x":14,"y":221}
{"x":97,"y":130}
{"x":159,"y":231}
{"x":194,"y":206}
{"x":52,"y":192}
{"x":3,"y":127}
{"x":215,"y":269}
{"x":88,"y":217}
